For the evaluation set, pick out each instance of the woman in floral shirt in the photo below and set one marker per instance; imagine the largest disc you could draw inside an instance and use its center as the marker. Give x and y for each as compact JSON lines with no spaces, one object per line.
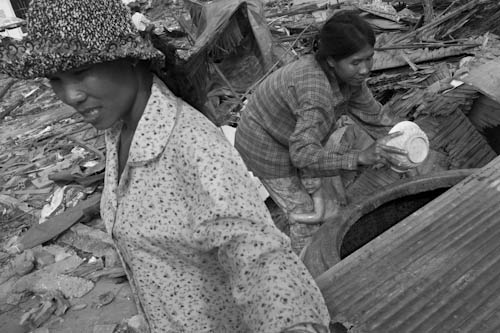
{"x":200,"y":249}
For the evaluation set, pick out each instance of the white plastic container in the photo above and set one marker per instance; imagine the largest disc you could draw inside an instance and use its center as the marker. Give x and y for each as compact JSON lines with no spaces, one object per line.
{"x":414,"y":141}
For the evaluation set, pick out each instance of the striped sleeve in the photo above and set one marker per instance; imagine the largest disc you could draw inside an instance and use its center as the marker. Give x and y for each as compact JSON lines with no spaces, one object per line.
{"x":366,"y":108}
{"x":315,"y":119}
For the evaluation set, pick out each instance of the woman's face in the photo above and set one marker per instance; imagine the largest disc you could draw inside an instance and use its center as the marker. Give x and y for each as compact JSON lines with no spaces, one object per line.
{"x":102,"y":94}
{"x":355,"y":69}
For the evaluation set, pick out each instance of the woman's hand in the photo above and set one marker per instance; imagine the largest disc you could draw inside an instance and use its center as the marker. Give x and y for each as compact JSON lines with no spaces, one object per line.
{"x":380,"y":153}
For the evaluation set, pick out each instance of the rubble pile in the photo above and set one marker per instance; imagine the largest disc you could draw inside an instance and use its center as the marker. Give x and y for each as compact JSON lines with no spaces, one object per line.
{"x":435,"y":65}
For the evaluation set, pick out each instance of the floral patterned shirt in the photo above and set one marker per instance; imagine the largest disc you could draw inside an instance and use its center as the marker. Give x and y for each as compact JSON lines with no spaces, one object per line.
{"x":198,"y":244}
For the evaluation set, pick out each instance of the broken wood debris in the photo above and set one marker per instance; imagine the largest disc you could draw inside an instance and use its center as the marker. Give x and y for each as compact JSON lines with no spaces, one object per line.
{"x":52,"y":303}
{"x":41,"y":233}
{"x":429,"y":27}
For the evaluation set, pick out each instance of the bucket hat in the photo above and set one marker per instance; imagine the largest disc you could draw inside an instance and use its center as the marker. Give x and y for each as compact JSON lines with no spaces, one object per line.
{"x":67,"y":34}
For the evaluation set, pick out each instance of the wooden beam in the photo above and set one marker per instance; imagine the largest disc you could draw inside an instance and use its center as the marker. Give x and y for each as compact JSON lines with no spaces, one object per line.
{"x":428,"y":10}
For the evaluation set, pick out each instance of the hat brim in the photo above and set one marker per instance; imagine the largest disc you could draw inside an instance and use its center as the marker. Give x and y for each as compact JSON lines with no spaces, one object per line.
{"x":28,"y":59}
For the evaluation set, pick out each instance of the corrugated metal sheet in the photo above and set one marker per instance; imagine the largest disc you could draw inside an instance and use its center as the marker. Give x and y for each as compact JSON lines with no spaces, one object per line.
{"x":436,"y":271}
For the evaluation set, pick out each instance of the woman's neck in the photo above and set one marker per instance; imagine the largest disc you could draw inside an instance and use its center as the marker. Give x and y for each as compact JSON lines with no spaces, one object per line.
{"x":330,"y":73}
{"x":145,"y":82}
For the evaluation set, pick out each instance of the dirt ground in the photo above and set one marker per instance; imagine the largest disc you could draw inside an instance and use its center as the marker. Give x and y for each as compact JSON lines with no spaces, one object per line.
{"x":92,"y":318}
{"x":89,"y":316}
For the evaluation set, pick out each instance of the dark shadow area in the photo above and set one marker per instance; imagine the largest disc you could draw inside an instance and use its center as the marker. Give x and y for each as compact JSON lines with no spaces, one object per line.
{"x":338,"y":328}
{"x":382,"y":218}
{"x":493,"y":137}
{"x":20,"y":7}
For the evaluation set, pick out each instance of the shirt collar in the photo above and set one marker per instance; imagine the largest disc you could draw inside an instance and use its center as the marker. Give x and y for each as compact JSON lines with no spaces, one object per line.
{"x":155,"y":126}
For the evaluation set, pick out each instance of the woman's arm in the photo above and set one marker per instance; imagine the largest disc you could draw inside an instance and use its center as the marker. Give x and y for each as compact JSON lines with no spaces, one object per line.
{"x":365,"y":108}
{"x":306,"y":144}
{"x":268,"y":281}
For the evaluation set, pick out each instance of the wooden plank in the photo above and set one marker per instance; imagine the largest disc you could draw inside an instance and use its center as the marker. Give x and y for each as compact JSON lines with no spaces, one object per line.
{"x":428,"y":10}
{"x":40,"y":233}
{"x":392,"y":58}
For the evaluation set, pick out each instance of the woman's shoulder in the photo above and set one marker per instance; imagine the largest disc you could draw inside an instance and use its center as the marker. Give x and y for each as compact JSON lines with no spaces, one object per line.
{"x":304,"y":67}
{"x":190,"y":125}
{"x":201,"y":142}
{"x":194,"y":126}
{"x":308,"y":66}
{"x":306,"y":73}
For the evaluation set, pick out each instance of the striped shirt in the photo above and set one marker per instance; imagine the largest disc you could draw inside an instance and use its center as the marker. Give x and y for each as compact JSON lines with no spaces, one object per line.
{"x":291,"y":115}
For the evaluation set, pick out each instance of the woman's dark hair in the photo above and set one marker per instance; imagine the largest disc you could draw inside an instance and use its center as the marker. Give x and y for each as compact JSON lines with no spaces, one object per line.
{"x":344,"y":34}
{"x":134,"y":7}
{"x":175,"y":73}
